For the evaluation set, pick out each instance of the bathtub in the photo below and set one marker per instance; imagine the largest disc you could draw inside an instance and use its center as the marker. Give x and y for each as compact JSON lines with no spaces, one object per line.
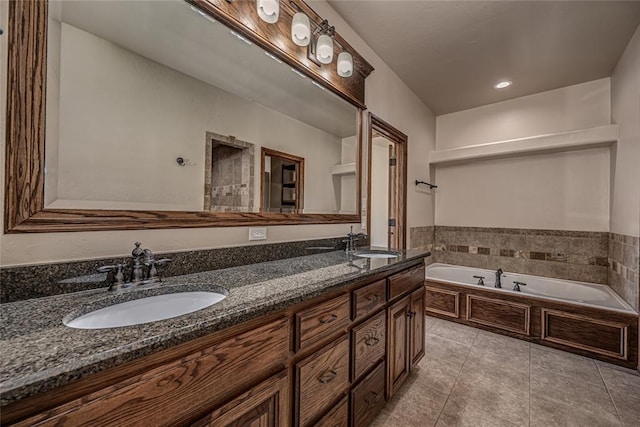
{"x":582,"y":318}
{"x":588,"y":294}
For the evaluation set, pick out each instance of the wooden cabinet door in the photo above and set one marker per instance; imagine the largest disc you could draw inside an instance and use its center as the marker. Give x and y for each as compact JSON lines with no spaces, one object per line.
{"x":265,"y":405}
{"x":416,"y":329}
{"x":398,"y":362}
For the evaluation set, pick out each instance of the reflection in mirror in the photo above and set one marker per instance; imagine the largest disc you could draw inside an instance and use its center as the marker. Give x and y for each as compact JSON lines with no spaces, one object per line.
{"x":282,"y":182}
{"x":155,"y":106}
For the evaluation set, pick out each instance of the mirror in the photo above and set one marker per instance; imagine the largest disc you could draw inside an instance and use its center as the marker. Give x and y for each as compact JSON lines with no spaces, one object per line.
{"x":156,"y":106}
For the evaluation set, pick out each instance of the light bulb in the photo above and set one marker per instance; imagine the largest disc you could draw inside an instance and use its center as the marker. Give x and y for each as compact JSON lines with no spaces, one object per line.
{"x":345,"y":64}
{"x":503,"y":84}
{"x":300,"y":29}
{"x":268,"y":10}
{"x":324,"y":49}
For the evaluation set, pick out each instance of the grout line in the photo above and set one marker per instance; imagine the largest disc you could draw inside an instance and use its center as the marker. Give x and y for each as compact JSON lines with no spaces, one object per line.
{"x":613,"y":402}
{"x":456,"y":381}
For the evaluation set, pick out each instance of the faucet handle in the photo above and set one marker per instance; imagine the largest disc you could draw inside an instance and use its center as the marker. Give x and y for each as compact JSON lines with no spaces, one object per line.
{"x":163,"y":261}
{"x":107,"y":268}
{"x":137,"y":252}
{"x":516,"y":285}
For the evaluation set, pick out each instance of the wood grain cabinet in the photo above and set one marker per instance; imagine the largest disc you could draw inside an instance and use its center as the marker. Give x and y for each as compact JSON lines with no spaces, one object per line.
{"x":367,"y":398}
{"x":405,"y":343}
{"x":368,"y":342}
{"x":265,"y":405}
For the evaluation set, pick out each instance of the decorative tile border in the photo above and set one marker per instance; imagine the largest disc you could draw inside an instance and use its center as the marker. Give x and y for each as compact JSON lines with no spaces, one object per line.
{"x":563,"y":254}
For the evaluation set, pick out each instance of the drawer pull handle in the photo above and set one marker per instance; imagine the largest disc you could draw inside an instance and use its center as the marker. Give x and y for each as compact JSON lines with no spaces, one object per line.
{"x":372,"y":297}
{"x":328,"y":376}
{"x":329,"y":319}
{"x":411,"y":314}
{"x":371,"y":341}
{"x":373,"y":399}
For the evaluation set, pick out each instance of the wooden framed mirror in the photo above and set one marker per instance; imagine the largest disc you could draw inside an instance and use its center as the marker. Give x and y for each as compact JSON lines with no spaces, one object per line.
{"x":93,"y":146}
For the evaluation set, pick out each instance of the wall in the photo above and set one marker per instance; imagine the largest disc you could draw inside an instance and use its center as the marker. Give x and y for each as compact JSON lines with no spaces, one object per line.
{"x":386,"y":95}
{"x":624,"y":272}
{"x":379,"y":232}
{"x":561,"y":191}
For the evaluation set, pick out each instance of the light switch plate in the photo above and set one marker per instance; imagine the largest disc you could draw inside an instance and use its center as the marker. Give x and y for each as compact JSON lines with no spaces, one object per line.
{"x":258,"y":233}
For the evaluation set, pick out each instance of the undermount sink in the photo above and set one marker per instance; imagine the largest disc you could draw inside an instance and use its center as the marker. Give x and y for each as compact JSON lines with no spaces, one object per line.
{"x":146,"y":310}
{"x":376,"y":254}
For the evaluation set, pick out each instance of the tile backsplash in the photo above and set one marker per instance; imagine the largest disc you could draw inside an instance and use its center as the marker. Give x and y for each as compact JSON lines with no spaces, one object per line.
{"x":624,"y":268}
{"x":573,"y":255}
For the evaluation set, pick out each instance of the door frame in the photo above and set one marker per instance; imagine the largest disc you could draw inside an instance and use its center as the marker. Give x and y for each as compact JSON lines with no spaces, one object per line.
{"x":377,"y":125}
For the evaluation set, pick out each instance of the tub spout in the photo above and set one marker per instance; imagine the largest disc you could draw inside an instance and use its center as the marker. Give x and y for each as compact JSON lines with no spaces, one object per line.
{"x":499,"y":274}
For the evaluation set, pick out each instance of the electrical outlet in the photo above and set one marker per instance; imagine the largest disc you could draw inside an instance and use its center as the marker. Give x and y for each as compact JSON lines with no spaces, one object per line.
{"x":258,"y":233}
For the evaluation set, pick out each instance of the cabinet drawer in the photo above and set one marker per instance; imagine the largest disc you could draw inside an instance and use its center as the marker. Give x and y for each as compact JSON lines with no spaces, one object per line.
{"x":367,"y":398}
{"x":316,"y":323}
{"x":368,"y":299}
{"x":368,"y":343}
{"x":172,"y":394}
{"x":337,"y":417}
{"x":406,"y":281}
{"x":320,"y":379}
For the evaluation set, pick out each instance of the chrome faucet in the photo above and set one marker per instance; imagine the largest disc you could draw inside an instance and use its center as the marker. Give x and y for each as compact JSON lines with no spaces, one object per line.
{"x":143,"y":270}
{"x":499,"y":274}
{"x":516,"y":286}
{"x":352,"y":239}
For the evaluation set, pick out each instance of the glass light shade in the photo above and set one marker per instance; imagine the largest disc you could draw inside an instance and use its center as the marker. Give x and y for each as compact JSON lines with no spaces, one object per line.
{"x":345,"y":64}
{"x":300,"y":29}
{"x":268,"y":10}
{"x":324,"y":49}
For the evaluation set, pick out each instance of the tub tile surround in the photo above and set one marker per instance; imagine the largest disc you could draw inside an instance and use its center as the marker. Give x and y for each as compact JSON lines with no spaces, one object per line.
{"x":41,"y":280}
{"x":422,"y":238}
{"x":624,"y":267}
{"x":492,"y":380}
{"x":571,"y":255}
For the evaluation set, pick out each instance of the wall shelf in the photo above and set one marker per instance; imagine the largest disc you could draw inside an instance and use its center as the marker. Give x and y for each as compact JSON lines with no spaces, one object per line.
{"x":344,"y":169}
{"x":583,"y":139}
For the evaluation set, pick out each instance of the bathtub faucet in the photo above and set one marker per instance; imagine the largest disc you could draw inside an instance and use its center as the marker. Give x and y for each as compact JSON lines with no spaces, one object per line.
{"x":499,"y":274}
{"x":516,"y":286}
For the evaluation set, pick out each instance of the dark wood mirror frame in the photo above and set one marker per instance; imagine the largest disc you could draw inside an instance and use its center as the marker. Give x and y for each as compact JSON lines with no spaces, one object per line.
{"x":25,"y":133}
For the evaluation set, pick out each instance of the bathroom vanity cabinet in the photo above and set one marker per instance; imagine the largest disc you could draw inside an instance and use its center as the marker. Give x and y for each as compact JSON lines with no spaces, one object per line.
{"x":330,"y":361}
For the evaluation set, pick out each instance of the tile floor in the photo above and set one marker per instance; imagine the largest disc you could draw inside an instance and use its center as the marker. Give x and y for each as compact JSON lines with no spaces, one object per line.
{"x":476,"y":378}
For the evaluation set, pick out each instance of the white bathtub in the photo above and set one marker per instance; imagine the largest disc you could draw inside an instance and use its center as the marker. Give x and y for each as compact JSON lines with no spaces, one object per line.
{"x":589,"y":294}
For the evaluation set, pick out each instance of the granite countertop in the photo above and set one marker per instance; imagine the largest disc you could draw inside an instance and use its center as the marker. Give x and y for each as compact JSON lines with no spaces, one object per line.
{"x":39,"y":353}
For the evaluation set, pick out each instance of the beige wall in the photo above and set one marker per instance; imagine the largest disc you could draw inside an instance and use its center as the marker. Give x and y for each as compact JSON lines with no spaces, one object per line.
{"x":625,"y":111}
{"x":387,"y":96}
{"x":565,"y":191}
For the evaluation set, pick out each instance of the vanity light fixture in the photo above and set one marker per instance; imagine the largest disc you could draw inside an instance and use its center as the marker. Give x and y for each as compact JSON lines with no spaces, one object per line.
{"x":345,"y":64}
{"x":324,"y":49}
{"x":300,"y":29}
{"x":503,"y":84}
{"x":240,"y":37}
{"x":268,"y":10}
{"x":204,"y":15}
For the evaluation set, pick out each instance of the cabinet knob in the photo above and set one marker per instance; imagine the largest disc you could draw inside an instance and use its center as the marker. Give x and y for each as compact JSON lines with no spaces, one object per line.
{"x":370,"y":341}
{"x":373,"y":399}
{"x":372,"y":297}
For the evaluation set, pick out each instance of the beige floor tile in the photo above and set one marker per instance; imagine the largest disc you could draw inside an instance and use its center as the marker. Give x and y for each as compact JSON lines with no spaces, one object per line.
{"x":548,"y":413}
{"x":465,"y":414}
{"x":437,"y":375}
{"x":509,"y":347}
{"x":546,"y":360}
{"x":449,"y":352}
{"x":503,"y":393}
{"x":454,"y":332}
{"x":429,"y":322}
{"x":416,"y":405}
{"x":571,"y":391}
{"x":499,"y":353}
{"x":624,"y":389}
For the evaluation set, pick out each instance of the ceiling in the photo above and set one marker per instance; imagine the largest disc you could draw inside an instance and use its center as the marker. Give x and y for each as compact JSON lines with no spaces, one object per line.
{"x":451,"y":53}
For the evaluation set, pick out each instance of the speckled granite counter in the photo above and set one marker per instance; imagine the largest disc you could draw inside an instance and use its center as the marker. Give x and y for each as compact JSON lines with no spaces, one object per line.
{"x":39,"y":353}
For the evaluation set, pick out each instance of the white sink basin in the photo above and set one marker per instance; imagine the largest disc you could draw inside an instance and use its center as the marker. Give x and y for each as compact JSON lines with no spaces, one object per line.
{"x":145,"y":310}
{"x":377,"y":254}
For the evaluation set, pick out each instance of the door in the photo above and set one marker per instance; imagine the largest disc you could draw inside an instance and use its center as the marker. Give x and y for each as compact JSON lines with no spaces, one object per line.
{"x":387,"y":182}
{"x":416,"y":327}
{"x":398,"y":344}
{"x":262,"y":406}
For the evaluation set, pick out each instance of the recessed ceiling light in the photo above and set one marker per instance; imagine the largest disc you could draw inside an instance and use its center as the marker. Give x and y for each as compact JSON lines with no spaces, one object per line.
{"x":503,"y":84}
